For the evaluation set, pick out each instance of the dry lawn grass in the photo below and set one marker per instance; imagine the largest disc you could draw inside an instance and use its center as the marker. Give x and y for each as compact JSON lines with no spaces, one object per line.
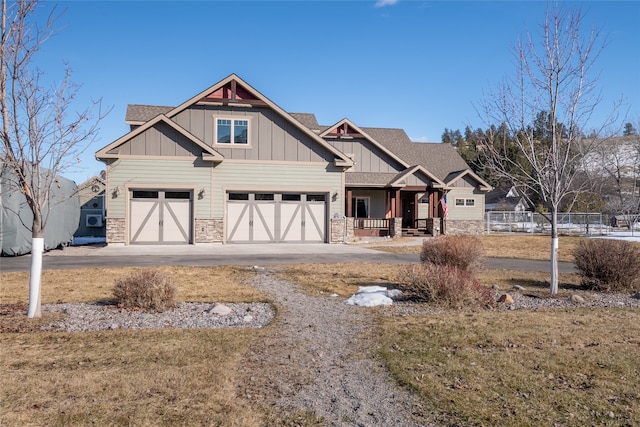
{"x":195,"y":284}
{"x":507,"y":246}
{"x":342,"y":279}
{"x":137,"y":378}
{"x":565,"y":367}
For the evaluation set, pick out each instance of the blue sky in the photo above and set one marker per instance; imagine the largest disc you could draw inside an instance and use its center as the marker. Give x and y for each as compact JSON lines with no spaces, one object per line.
{"x":417,"y":65}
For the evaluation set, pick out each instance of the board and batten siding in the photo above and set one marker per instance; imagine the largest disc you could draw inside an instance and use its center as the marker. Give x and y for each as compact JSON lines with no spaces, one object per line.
{"x":367,"y":157}
{"x":271,"y":136}
{"x":159,"y":140}
{"x":261,"y":177}
{"x":160,"y":174}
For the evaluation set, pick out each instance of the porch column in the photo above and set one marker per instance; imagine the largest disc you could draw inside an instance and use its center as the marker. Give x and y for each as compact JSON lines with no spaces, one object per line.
{"x":433,"y":204}
{"x":349,"y":204}
{"x":387,"y":204}
{"x":398,"y":206}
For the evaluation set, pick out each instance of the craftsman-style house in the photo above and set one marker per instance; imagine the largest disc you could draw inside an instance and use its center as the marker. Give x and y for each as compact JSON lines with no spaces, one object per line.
{"x":228,"y":165}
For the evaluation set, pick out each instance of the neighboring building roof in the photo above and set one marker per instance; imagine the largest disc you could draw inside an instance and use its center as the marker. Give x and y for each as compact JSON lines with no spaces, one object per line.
{"x":503,"y":199}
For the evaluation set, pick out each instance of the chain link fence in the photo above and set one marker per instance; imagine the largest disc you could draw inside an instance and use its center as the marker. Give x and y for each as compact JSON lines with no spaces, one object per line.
{"x":570,"y":223}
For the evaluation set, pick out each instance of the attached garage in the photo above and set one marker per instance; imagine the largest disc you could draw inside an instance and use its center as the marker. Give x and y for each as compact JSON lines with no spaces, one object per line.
{"x":270,"y":217}
{"x":160,"y":216}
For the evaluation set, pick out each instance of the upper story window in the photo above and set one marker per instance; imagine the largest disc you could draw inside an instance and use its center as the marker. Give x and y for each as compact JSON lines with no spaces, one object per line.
{"x":232,"y":131}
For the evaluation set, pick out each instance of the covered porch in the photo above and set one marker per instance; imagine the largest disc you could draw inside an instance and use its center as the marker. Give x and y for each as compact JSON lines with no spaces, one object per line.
{"x":394,"y":212}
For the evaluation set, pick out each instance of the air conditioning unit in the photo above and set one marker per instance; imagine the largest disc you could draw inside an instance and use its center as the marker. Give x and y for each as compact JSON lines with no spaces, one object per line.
{"x":94,"y":220}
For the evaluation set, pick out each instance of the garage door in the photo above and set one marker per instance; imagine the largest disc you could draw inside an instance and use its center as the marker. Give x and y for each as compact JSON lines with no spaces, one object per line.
{"x":160,"y":217}
{"x":276,"y":217}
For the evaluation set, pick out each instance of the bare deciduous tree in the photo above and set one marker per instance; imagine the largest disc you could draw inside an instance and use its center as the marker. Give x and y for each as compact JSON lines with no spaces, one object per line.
{"x":42,"y":134}
{"x":541,"y":111}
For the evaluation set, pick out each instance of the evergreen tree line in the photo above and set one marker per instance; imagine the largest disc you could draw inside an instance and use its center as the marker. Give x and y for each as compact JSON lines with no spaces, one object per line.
{"x":472,"y":142}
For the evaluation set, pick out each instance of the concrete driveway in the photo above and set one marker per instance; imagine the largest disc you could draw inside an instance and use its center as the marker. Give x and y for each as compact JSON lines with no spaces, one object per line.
{"x":240,"y":254}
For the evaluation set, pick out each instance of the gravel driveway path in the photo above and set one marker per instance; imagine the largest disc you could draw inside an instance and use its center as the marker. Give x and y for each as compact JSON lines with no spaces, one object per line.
{"x":318,"y":358}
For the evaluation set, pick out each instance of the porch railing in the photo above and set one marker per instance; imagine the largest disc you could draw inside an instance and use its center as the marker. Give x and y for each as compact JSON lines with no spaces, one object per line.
{"x":372,"y":223}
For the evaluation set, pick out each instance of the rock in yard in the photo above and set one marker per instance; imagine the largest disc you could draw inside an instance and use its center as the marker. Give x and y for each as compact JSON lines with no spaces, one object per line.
{"x":577,"y":299}
{"x":518,"y":288}
{"x":506,"y":298}
{"x":219,"y":309}
{"x":636,"y":295}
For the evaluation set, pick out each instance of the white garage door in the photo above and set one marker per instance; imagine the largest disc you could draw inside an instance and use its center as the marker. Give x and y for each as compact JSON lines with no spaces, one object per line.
{"x":160,"y":217}
{"x":276,"y":217}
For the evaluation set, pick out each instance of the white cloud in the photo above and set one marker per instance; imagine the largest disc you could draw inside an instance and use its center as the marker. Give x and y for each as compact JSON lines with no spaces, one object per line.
{"x":383,"y":3}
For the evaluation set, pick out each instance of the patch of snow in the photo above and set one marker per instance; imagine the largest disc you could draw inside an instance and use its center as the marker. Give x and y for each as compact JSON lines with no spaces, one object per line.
{"x":371,"y":296}
{"x":621,"y":235}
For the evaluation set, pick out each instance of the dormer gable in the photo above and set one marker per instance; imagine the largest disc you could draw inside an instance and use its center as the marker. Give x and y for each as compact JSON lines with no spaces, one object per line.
{"x":470,"y":177}
{"x":345,"y":129}
{"x":170,"y":140}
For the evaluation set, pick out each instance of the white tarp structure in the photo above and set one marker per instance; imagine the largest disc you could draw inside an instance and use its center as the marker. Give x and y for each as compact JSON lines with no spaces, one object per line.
{"x":16,"y":218}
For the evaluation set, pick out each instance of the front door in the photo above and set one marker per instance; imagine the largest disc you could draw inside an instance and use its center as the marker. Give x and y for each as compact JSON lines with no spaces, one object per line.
{"x":408,"y":210}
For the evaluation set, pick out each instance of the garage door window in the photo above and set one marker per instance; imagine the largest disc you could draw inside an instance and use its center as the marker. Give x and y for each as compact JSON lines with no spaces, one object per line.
{"x":238,"y":196}
{"x":316,"y":197}
{"x":291,"y":197}
{"x":139,"y":194}
{"x":264,"y":196}
{"x":184,"y":195}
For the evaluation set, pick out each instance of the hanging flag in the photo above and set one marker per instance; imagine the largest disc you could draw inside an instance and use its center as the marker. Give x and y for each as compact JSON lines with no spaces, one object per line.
{"x":445,"y":209}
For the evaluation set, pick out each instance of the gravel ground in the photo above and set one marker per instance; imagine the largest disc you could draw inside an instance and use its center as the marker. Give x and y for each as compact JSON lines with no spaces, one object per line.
{"x":95,"y":317}
{"x":320,"y":359}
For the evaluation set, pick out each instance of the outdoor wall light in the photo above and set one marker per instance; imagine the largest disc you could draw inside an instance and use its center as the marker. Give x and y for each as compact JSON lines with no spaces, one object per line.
{"x":115,"y":193}
{"x":202,"y":193}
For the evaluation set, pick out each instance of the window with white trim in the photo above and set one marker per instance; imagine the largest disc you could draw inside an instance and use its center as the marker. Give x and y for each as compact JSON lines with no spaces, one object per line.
{"x":232,"y":131}
{"x":465,"y":202}
{"x":361,"y":207}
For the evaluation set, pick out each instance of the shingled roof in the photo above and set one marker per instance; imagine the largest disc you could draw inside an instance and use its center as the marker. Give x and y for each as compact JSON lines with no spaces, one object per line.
{"x":442,"y":160}
{"x":143,"y":113}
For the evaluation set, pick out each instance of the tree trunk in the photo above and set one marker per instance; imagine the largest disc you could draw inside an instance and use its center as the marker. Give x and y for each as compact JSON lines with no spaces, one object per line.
{"x":553,"y":288}
{"x":35,"y":273}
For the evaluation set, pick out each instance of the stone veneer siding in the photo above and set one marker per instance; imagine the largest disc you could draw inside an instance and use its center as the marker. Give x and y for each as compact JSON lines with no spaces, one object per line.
{"x":116,"y":228}
{"x":342,"y":230}
{"x":464,"y":227}
{"x":396,"y":227}
{"x":209,"y":230}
